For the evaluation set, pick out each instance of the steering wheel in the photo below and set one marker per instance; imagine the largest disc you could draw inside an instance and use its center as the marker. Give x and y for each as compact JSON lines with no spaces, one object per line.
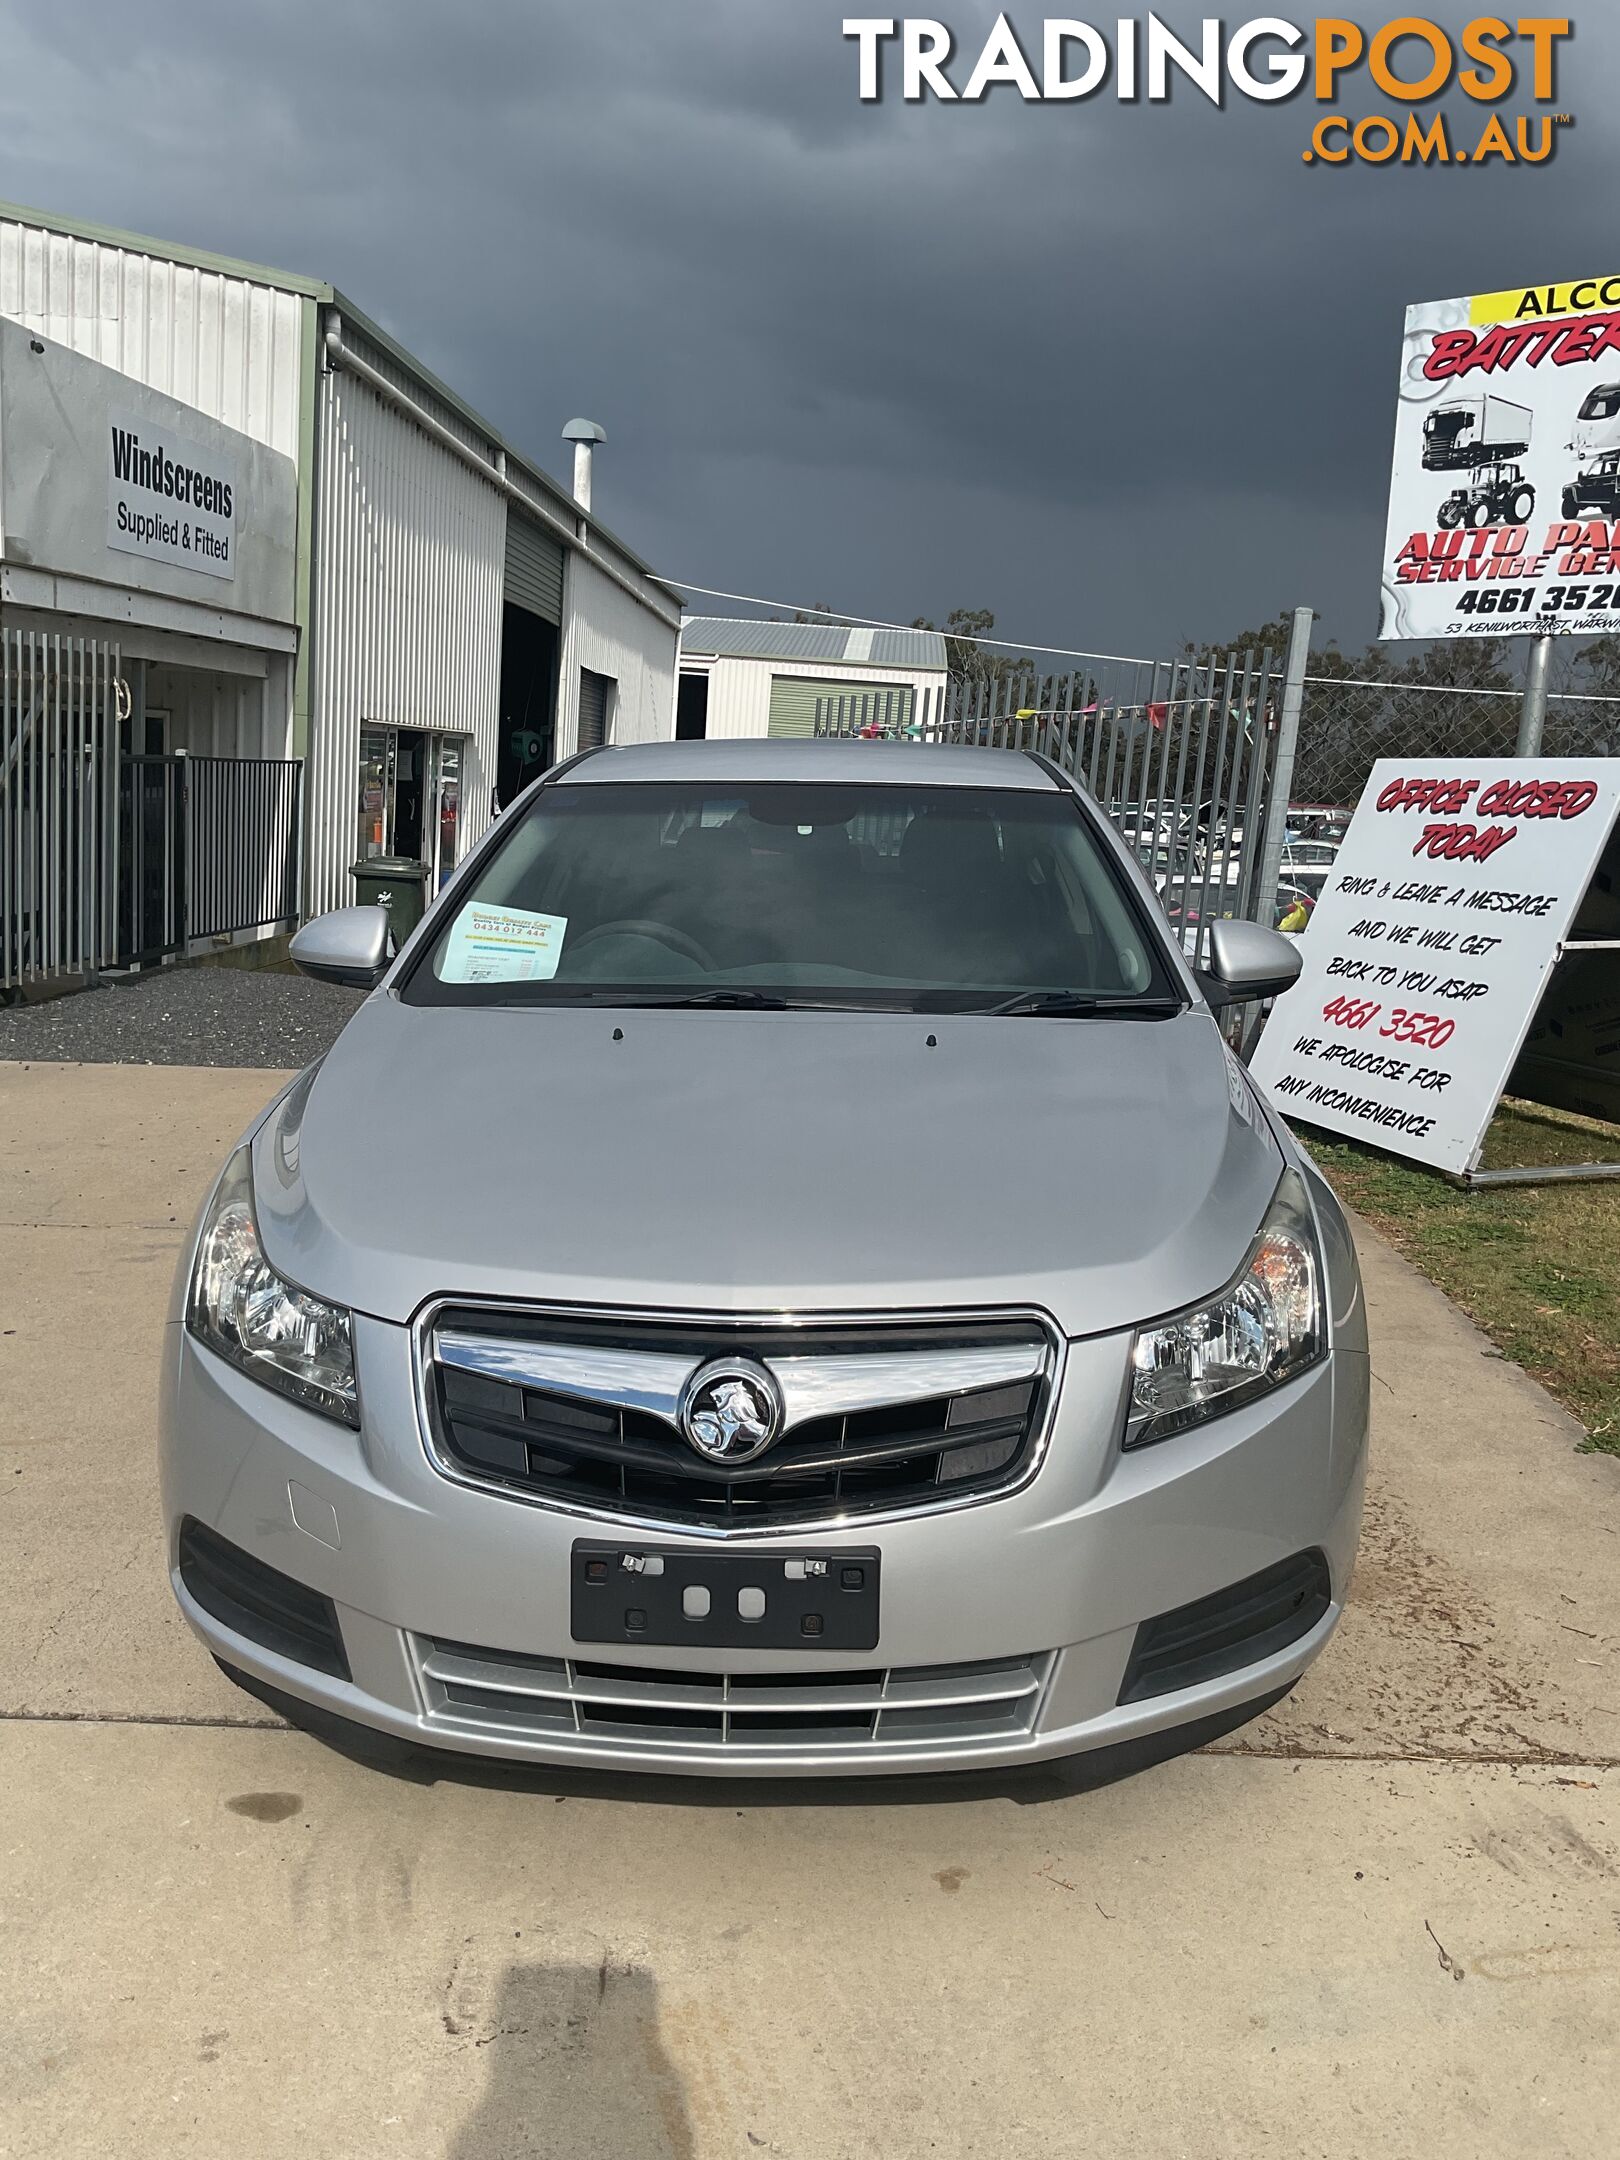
{"x":665,"y":934}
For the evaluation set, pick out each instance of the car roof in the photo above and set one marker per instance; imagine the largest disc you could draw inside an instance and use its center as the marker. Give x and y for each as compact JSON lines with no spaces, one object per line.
{"x":753,"y":758}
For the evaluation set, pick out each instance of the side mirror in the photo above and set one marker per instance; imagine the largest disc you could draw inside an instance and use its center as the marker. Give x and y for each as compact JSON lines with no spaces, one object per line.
{"x":1250,"y":961}
{"x":350,"y":946}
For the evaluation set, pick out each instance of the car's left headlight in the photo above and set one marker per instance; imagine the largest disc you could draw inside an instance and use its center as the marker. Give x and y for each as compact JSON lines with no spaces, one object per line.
{"x":268,"y":1328}
{"x":1265,"y":1328}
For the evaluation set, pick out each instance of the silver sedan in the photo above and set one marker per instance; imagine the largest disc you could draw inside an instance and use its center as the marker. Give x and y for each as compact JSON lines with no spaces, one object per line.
{"x":782,"y":1275}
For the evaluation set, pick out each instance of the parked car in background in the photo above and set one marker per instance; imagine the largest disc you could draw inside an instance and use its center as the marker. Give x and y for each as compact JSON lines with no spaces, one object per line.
{"x":560,"y":1371}
{"x":1318,"y":821}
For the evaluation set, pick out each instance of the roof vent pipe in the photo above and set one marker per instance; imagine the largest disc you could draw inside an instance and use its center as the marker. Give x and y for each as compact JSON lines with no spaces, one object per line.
{"x":584,"y":435}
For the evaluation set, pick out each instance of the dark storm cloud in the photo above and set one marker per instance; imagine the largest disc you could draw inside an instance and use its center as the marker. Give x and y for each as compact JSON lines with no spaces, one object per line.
{"x":1124,"y":374}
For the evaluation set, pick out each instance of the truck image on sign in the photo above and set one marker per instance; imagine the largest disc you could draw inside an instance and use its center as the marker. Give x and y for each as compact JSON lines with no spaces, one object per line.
{"x":1483,"y":437}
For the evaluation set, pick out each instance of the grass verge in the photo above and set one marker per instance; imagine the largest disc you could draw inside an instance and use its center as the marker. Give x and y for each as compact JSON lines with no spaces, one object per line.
{"x":1536,"y":1266}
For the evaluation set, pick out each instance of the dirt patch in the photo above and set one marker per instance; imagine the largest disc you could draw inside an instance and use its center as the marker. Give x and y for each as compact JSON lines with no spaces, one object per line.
{"x":1419,"y":1668}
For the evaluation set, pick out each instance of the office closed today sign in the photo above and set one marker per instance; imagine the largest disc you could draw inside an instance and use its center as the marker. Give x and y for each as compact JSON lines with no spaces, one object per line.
{"x":1431,"y":946}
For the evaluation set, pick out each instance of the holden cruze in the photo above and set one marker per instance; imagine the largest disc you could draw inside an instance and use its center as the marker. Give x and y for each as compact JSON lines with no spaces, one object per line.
{"x":782,"y":1274}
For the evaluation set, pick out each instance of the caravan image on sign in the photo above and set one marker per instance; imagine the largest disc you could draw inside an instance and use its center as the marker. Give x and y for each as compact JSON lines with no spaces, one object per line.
{"x":1504,"y":505}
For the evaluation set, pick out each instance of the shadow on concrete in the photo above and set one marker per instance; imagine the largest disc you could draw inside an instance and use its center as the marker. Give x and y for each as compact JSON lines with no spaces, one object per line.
{"x":575,"y":2065}
{"x":1032,"y":1786}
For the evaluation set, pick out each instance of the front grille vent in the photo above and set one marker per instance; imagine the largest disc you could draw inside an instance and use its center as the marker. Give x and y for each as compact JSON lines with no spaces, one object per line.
{"x":596,"y":1445}
{"x":485,"y":1691}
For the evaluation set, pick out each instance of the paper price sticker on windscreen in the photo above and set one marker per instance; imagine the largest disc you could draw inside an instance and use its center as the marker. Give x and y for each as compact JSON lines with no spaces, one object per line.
{"x":502,"y":944}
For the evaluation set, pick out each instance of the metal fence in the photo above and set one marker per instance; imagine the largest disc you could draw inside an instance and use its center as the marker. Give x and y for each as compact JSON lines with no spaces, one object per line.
{"x":59,"y":806}
{"x":1346,"y":724}
{"x":242,"y":844}
{"x":109,"y":860}
{"x":1186,"y":757}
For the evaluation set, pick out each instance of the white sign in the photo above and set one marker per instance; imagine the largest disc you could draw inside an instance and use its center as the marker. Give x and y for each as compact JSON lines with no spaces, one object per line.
{"x":169,"y":498}
{"x":502,"y":944}
{"x":1504,"y":506}
{"x":1429,"y":950}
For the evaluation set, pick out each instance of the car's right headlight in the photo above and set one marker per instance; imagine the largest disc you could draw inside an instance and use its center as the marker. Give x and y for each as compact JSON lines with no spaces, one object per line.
{"x":265,"y":1326}
{"x":1267,"y":1327}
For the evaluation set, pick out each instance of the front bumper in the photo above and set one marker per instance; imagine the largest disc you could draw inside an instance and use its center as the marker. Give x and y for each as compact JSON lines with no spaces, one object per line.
{"x":1048,"y":1584}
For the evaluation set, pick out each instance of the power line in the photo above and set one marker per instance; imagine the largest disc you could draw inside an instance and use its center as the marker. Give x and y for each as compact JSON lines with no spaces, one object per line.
{"x":876,"y":622}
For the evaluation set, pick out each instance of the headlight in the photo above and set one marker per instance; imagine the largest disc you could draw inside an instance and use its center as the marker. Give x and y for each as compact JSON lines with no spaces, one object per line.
{"x":1265,"y":1329}
{"x":271,"y":1330}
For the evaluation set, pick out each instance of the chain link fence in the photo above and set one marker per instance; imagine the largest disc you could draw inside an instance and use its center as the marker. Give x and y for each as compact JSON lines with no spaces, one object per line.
{"x":1346,"y":723}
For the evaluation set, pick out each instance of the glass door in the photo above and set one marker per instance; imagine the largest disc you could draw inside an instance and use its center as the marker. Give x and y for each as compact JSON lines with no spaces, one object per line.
{"x":410,"y":797}
{"x":445,"y":806}
{"x":377,"y":755}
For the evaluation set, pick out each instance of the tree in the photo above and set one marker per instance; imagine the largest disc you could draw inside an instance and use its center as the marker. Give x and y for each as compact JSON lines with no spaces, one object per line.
{"x":969,"y":661}
{"x":1324,"y":659}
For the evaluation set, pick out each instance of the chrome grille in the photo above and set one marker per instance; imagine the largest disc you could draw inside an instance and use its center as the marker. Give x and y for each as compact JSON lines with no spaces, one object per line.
{"x":484,"y":1691}
{"x":584,"y":1410}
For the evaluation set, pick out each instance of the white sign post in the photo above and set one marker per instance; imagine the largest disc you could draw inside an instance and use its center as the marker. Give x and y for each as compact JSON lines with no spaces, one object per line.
{"x":1431,"y":946}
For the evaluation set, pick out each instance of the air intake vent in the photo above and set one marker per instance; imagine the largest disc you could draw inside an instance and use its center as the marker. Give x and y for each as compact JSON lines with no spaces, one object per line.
{"x":1220,"y":1634}
{"x":269,"y":1608}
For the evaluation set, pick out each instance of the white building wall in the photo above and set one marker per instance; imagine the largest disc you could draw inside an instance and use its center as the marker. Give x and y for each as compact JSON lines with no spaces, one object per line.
{"x":221,"y":714}
{"x":227,"y":345}
{"x":411,"y":549}
{"x":611,"y":634}
{"x":740,"y":690}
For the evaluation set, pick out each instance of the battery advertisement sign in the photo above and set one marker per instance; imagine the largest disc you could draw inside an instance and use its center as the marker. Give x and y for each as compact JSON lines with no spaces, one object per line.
{"x":1504,"y":507}
{"x":1429,"y":953}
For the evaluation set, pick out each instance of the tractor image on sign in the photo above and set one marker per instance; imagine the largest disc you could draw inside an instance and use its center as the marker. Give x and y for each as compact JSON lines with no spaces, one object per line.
{"x":1483,"y":437}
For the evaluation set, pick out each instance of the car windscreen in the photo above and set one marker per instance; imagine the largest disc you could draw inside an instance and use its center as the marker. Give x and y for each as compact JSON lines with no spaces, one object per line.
{"x":913,"y":898}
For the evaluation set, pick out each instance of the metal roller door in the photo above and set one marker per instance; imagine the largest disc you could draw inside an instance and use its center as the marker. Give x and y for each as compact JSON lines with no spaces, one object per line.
{"x":794,"y":699}
{"x":534,"y":569}
{"x":593,"y":709}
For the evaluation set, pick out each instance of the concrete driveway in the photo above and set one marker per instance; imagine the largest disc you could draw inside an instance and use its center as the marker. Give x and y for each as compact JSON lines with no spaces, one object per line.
{"x":1384,"y":1920}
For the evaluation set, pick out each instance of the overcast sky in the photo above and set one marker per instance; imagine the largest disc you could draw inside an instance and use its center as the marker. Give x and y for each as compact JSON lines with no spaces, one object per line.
{"x":1125,"y":374}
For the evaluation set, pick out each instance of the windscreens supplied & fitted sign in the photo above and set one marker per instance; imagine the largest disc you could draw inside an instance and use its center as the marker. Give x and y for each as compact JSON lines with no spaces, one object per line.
{"x":169,"y":498}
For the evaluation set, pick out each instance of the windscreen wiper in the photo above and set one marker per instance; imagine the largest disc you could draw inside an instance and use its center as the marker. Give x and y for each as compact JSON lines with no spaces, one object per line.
{"x":744,"y":1000}
{"x":737,"y":1000}
{"x":1072,"y":1005}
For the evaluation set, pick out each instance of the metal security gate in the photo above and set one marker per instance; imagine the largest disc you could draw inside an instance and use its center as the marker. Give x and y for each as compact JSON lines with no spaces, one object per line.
{"x":152,"y":859}
{"x":241,"y":844}
{"x":109,"y":860}
{"x":1191,"y":760}
{"x":60,"y":705}
{"x":208,"y":846}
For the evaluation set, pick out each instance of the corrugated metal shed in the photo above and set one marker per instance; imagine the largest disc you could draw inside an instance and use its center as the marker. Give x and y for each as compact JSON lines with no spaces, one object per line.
{"x":223,"y":342}
{"x":407,"y":613}
{"x":731,"y":638}
{"x":405,"y":547}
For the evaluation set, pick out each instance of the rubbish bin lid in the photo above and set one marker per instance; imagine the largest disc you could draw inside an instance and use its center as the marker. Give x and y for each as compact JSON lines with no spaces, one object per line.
{"x":388,"y":866}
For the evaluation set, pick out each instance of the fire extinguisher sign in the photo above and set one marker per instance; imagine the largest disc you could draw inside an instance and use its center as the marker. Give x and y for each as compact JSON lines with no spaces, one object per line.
{"x":1504,"y":505}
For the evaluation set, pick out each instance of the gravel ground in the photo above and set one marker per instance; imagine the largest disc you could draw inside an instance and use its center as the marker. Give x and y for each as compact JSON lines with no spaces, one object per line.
{"x":183,"y":1016}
